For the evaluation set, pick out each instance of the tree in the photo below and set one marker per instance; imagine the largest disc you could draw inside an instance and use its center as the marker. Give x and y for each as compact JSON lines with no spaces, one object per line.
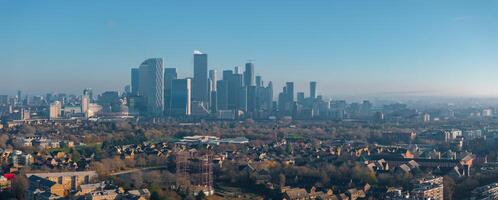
{"x":75,"y":155}
{"x":281,"y":178}
{"x":3,"y":140}
{"x":19,"y":186}
{"x":449,"y":187}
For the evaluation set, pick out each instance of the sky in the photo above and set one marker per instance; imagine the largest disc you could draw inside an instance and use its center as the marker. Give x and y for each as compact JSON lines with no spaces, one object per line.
{"x":352,"y":48}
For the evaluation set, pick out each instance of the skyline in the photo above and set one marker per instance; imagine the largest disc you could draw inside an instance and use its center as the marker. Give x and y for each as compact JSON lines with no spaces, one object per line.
{"x":351,"y":49}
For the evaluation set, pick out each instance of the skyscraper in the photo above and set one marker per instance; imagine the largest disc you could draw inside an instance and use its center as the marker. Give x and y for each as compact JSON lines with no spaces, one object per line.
{"x":55,"y":110}
{"x":300,"y":97}
{"x":249,"y":75}
{"x":85,"y":101}
{"x":313,"y":89}
{"x":169,"y":75}
{"x":19,"y":97}
{"x":290,"y":91}
{"x":200,"y":81}
{"x":151,"y":85}
{"x":222,"y":94}
{"x":212,"y":90}
{"x":89,"y":93}
{"x":135,"y":81}
{"x":259,"y":81}
{"x":212,"y":77}
{"x":180,"y":97}
{"x":4,"y":100}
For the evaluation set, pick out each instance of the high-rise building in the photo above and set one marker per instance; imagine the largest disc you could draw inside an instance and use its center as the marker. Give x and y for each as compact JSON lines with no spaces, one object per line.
{"x":300,"y":97}
{"x":55,"y":110}
{"x":200,"y":81}
{"x":222,"y":95}
{"x":19,"y":97}
{"x":313,"y":89}
{"x":213,"y":78}
{"x":151,"y":85}
{"x":135,"y":81}
{"x":212,"y":90}
{"x":4,"y":100}
{"x":249,"y":75}
{"x":85,"y":101}
{"x":290,"y":91}
{"x":235,"y":101}
{"x":89,"y":93}
{"x":251,"y":98}
{"x":259,"y":81}
{"x":169,"y":75}
{"x":180,"y":97}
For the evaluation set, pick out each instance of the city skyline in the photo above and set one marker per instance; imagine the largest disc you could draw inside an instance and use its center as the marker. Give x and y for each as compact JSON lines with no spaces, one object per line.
{"x":351,"y":49}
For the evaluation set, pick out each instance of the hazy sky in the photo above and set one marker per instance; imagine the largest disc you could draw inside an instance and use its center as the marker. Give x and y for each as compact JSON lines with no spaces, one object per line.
{"x":373,"y":48}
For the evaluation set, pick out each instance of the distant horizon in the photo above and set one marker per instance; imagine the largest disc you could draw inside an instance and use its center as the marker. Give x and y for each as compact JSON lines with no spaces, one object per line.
{"x":382,"y":49}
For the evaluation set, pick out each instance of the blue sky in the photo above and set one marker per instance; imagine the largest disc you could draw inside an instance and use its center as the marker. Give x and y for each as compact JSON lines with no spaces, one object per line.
{"x":369,"y":48}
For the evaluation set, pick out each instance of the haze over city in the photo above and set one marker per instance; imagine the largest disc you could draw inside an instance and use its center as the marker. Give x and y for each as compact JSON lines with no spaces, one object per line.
{"x":249,"y":100}
{"x":361,"y":49}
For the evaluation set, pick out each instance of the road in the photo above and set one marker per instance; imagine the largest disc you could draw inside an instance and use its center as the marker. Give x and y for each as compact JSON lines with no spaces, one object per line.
{"x":137,"y":170}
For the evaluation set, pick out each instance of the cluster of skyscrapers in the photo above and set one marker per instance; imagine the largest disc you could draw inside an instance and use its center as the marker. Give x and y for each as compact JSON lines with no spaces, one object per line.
{"x":158,"y":91}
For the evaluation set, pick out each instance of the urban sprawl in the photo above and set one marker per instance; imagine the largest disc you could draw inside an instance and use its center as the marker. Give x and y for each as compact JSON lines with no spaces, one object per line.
{"x":228,"y":137}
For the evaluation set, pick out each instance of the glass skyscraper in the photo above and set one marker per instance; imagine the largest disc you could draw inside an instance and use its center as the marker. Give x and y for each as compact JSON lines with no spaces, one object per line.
{"x":151,"y":85}
{"x":200,"y":81}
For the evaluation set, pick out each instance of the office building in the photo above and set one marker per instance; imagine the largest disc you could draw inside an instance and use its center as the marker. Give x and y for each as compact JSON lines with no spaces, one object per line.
{"x":169,"y":75}
{"x":55,"y":110}
{"x":4,"y":100}
{"x":222,"y":95}
{"x":313,"y":89}
{"x":300,"y":97}
{"x":89,"y":93}
{"x":151,"y":85}
{"x":180,"y":97}
{"x":19,"y":97}
{"x":85,"y":101}
{"x":290,"y":91}
{"x":212,"y":90}
{"x":135,"y":81}
{"x":200,"y":80}
{"x":249,"y":75}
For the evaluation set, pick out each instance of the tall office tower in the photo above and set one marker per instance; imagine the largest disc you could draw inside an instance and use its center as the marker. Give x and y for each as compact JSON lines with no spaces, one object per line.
{"x":313,"y":89}
{"x":212,"y":90}
{"x":242,"y":103}
{"x":169,"y":75}
{"x":227,"y":74}
{"x":235,"y":93}
{"x":269,"y":97}
{"x":151,"y":85}
{"x":135,"y":81}
{"x":249,"y":75}
{"x":251,"y":98}
{"x":290,"y":91}
{"x":85,"y":102}
{"x":55,"y":110}
{"x":259,"y":81}
{"x":25,"y":114}
{"x":200,"y":81}
{"x":300,"y":97}
{"x":236,"y":70}
{"x":222,"y":94}
{"x":19,"y":97}
{"x":4,"y":100}
{"x":180,"y":97}
{"x":89,"y":93}
{"x":212,"y":76}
